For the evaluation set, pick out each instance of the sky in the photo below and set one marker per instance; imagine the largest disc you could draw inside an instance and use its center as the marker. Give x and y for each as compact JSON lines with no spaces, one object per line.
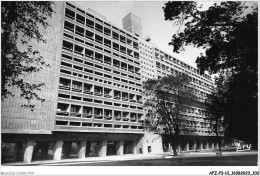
{"x":153,"y":23}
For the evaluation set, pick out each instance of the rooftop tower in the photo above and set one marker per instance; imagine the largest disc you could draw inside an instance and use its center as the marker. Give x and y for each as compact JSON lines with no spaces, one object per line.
{"x":133,"y":24}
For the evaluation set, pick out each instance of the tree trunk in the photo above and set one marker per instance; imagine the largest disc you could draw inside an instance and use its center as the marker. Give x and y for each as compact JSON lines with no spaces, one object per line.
{"x":174,"y":150}
{"x":218,"y":141}
{"x":174,"y":146}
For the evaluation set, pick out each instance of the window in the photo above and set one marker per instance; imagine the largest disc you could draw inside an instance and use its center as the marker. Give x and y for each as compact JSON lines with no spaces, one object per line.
{"x":70,"y":14}
{"x":80,"y":19}
{"x":69,"y":26}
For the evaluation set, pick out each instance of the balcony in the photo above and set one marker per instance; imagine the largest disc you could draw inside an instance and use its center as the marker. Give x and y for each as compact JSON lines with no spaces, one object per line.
{"x":141,"y":120}
{"x":70,"y":14}
{"x":107,"y":95}
{"x":132,"y":100}
{"x":62,"y":112}
{"x":87,"y":91}
{"x":117,"y":117}
{"x":75,"y":114}
{"x":76,"y":89}
{"x":125,"y":98}
{"x":69,"y":26}
{"x":125,"y":118}
{"x":76,"y":86}
{"x":124,"y":68}
{"x":87,"y":115}
{"x":98,"y":93}
{"x":133,"y":119}
{"x":98,"y":116}
{"x":108,"y":117}
{"x":67,"y":46}
{"x":117,"y":97}
{"x":116,"y":65}
{"x":90,"y":23}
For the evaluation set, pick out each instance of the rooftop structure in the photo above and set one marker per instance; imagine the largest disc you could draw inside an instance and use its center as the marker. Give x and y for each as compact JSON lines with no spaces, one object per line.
{"x":133,"y":24}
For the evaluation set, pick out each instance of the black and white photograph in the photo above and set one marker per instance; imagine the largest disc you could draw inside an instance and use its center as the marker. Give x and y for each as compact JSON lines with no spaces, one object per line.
{"x":129,"y":88}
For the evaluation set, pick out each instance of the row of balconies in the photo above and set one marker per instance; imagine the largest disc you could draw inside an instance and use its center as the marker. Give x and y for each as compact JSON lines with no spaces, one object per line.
{"x":116,"y":76}
{"x":195,"y":89}
{"x":107,"y":60}
{"x":107,"y":51}
{"x":71,"y":123}
{"x":128,"y":81}
{"x":70,"y":13}
{"x":100,"y":73}
{"x":196,"y":71}
{"x":95,"y":25}
{"x":79,"y":76}
{"x":173,"y":71}
{"x":77,"y":86}
{"x":102,"y":41}
{"x":68,"y":46}
{"x":72,"y":110}
{"x":100,"y":102}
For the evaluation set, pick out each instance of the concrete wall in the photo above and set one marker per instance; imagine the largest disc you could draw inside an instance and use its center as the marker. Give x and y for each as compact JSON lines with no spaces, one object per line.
{"x":16,"y":119}
{"x":152,"y":140}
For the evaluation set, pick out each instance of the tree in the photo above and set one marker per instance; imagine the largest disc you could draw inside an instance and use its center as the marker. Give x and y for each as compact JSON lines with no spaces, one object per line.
{"x":228,"y":32}
{"x":20,"y":23}
{"x":166,"y":100}
{"x":215,"y":113}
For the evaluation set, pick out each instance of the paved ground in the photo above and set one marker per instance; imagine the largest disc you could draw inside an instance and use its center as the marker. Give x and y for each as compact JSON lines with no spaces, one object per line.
{"x":248,"y":158}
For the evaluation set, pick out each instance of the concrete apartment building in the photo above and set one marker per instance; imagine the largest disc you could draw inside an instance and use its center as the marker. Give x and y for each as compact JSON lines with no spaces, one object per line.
{"x":93,"y":92}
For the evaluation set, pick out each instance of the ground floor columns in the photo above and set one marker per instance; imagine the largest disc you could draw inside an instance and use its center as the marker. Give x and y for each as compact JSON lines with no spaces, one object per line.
{"x":186,"y":147}
{"x":192,"y":145}
{"x":28,"y":151}
{"x":200,"y":145}
{"x":212,"y":145}
{"x":178,"y":149}
{"x":119,"y":147}
{"x":135,"y":147}
{"x":81,"y":145}
{"x":216,"y":145}
{"x":102,"y":148}
{"x":207,"y":145}
{"x":57,"y":150}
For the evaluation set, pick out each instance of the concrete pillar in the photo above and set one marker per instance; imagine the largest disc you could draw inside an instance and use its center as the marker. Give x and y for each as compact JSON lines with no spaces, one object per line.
{"x":186,"y":148}
{"x":168,"y":147}
{"x":28,"y":152}
{"x":44,"y":150}
{"x":212,"y":145}
{"x":81,"y":145}
{"x":66,"y":148}
{"x":207,"y":145}
{"x":102,"y":148}
{"x":57,"y":150}
{"x":119,"y":147}
{"x":179,"y":149}
{"x":135,"y":147}
{"x":216,"y":145}
{"x":200,"y":145}
{"x":194,"y":145}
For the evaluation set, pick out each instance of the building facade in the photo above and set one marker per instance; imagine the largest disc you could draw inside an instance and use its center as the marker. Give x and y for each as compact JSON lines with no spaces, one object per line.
{"x":93,"y":92}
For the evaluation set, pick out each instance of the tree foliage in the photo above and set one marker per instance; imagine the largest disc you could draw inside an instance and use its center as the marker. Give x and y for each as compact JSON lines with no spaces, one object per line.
{"x":216,"y":112}
{"x":224,"y":30}
{"x":228,"y":32}
{"x":166,"y":100}
{"x":20,"y":24}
